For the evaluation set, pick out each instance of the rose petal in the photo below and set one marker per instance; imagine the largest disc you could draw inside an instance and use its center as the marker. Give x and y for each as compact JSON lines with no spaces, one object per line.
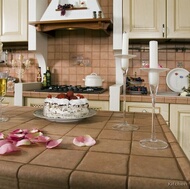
{"x":53,"y":143}
{"x":77,"y":141}
{"x":89,"y":141}
{"x":1,"y":136}
{"x":2,"y":142}
{"x":23,"y":142}
{"x":41,"y":139}
{"x":33,"y":135}
{"x":16,"y":137}
{"x":7,"y":148}
{"x":17,"y":131}
{"x":35,"y":131}
{"x":85,"y":140}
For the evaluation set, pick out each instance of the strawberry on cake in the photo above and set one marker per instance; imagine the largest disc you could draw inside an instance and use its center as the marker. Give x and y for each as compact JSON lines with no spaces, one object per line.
{"x":66,"y":106}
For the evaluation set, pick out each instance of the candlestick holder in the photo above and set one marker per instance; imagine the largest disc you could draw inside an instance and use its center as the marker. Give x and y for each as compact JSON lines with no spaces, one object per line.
{"x":124,"y":126}
{"x":153,"y":142}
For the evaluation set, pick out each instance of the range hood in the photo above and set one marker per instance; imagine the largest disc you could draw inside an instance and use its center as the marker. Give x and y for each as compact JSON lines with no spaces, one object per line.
{"x":79,"y":16}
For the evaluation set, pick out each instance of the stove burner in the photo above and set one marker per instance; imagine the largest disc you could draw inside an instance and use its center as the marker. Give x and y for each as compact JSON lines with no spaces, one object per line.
{"x":75,"y":89}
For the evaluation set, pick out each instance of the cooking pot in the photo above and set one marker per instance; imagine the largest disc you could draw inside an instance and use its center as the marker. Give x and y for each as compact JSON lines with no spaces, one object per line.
{"x":93,"y":80}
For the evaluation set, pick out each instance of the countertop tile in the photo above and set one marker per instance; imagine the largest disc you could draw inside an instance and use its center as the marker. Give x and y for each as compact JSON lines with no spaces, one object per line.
{"x":43,"y":177}
{"x":60,"y":158}
{"x":112,"y":146}
{"x":137,"y":149}
{"x":150,"y":183}
{"x":8,"y":174}
{"x":85,"y":179}
{"x":166,"y":168}
{"x":115,"y":135}
{"x":104,"y":163}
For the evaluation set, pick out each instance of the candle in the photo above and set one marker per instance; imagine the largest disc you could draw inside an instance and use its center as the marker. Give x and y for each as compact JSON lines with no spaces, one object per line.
{"x":153,"y":63}
{"x":153,"y":54}
{"x":125,"y":47}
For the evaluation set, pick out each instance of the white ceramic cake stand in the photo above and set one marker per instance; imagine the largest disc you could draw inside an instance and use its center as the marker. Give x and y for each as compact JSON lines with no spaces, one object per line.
{"x":124,"y":126}
{"x":153,"y":142}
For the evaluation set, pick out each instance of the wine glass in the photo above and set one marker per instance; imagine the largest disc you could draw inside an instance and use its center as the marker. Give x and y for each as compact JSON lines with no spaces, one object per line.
{"x":3,"y":90}
{"x":125,"y":126}
{"x":153,"y":142}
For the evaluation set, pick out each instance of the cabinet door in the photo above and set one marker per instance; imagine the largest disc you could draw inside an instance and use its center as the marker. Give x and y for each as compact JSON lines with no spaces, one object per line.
{"x":147,"y":107}
{"x":99,"y":105}
{"x":178,"y":19}
{"x":14,"y":20}
{"x":144,"y":18}
{"x":180,"y":125}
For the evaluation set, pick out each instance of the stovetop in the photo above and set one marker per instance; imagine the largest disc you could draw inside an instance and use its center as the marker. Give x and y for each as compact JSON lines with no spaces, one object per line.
{"x":75,"y":89}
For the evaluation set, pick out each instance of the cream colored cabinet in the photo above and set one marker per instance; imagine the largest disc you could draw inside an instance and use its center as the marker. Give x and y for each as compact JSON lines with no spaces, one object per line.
{"x":99,"y":105}
{"x":8,"y":101}
{"x":163,"y":109}
{"x":34,"y":102}
{"x":180,"y":125}
{"x":151,"y":19}
{"x":157,"y":18}
{"x":144,"y":18}
{"x":14,"y":20}
{"x":178,"y":19}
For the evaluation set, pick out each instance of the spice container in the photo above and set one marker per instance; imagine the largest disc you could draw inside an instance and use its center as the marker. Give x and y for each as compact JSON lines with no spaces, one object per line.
{"x":99,"y":14}
{"x":94,"y":14}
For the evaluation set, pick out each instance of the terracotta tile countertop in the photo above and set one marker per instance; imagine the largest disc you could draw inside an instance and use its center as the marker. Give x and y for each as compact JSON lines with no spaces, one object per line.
{"x":116,"y":161}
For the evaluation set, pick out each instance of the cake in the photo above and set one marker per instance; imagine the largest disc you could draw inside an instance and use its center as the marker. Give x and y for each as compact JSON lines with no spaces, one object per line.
{"x":66,"y":106}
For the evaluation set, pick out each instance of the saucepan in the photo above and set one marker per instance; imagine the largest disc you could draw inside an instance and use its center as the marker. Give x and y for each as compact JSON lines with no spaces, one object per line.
{"x":93,"y":80}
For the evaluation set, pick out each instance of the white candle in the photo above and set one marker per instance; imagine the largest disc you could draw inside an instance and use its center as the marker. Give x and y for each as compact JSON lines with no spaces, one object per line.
{"x":153,"y":54}
{"x":125,"y":49}
{"x":153,"y":63}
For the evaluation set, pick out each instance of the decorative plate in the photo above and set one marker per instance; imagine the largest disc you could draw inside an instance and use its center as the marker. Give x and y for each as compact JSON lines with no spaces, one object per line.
{"x":39,"y":113}
{"x":177,"y":78}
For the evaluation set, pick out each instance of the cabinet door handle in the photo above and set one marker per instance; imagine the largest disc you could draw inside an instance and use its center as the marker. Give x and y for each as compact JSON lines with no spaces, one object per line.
{"x":163,"y":30}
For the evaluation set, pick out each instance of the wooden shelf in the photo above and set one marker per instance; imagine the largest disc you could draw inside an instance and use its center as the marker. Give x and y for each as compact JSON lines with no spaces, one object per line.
{"x":104,"y":24}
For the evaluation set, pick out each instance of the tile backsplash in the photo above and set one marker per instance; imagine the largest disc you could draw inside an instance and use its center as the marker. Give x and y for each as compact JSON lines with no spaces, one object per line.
{"x":96,"y":47}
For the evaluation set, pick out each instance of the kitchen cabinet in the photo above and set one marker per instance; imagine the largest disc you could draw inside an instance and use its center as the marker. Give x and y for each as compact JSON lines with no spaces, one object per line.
{"x":34,"y":102}
{"x":13,"y":20}
{"x":157,"y":18}
{"x":180,"y":125}
{"x":99,"y":105}
{"x":161,"y":108}
{"x":145,"y":19}
{"x":8,"y":101}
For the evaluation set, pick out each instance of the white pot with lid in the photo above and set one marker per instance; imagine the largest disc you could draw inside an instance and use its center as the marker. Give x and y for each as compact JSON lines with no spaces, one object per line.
{"x":93,"y":80}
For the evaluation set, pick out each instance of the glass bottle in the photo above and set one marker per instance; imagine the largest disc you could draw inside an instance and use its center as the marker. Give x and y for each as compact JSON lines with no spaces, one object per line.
{"x":44,"y":83}
{"x":48,"y":77}
{"x":39,"y":76}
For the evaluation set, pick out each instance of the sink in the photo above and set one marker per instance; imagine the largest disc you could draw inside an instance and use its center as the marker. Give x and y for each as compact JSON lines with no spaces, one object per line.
{"x":168,"y":93}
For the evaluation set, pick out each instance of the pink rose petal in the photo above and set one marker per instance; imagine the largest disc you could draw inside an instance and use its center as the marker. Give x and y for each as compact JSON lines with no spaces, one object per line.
{"x":85,"y":140}
{"x":15,"y":136}
{"x":23,"y":142}
{"x":41,"y":139}
{"x":33,"y":135}
{"x":53,"y":143}
{"x":35,"y":131}
{"x":1,"y":136}
{"x":7,"y":148}
{"x":2,"y":142}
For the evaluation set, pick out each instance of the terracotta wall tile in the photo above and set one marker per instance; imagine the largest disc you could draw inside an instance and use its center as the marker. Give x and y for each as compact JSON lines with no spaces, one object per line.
{"x":96,"y":47}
